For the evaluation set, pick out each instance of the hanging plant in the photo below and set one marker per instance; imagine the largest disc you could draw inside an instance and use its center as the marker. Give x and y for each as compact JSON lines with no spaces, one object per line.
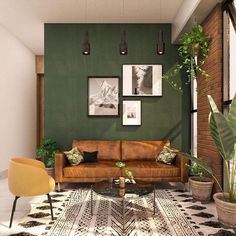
{"x":193,"y":52}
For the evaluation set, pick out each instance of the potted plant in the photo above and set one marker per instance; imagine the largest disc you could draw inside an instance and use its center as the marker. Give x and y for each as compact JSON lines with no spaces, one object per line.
{"x":201,"y":185}
{"x":193,"y":52}
{"x":46,"y":152}
{"x":223,"y":132}
{"x":128,"y":173}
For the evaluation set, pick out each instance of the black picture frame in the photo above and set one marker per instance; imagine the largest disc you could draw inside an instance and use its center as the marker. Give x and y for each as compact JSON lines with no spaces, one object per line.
{"x":142,"y":80}
{"x":103,"y":96}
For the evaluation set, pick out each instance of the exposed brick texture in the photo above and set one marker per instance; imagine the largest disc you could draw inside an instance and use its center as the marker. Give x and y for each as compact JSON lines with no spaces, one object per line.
{"x":213,"y":66}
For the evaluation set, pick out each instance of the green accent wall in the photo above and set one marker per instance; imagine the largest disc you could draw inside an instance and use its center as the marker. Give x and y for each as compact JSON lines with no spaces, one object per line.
{"x":66,"y":72}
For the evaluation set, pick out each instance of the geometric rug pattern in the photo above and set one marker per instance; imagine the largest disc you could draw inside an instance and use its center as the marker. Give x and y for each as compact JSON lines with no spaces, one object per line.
{"x":177,"y":214}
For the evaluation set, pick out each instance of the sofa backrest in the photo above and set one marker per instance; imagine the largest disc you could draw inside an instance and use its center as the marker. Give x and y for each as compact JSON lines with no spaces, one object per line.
{"x":107,"y":150}
{"x":142,"y":150}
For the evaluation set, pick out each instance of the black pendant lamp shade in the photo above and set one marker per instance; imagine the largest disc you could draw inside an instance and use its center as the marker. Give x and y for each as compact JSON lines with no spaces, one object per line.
{"x":123,"y":44}
{"x":160,"y":44}
{"x":86,"y":45}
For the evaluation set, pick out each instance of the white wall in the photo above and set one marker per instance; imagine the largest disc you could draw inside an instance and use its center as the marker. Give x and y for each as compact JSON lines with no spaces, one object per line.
{"x":17,"y":99}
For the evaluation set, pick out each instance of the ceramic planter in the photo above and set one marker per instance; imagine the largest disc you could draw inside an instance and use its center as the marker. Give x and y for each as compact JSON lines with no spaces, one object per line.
{"x":201,"y":190}
{"x":226,"y":210}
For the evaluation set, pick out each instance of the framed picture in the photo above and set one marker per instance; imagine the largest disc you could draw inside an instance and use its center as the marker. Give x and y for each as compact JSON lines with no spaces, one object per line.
{"x":142,"y":80}
{"x":103,"y":96}
{"x":131,"y":112}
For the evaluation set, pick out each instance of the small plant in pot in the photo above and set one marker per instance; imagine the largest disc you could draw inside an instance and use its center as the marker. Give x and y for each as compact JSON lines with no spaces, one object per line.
{"x":46,"y":152}
{"x":201,"y":185}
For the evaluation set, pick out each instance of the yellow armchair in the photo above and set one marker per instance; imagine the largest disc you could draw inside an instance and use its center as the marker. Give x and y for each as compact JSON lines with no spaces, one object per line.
{"x":28,"y":177}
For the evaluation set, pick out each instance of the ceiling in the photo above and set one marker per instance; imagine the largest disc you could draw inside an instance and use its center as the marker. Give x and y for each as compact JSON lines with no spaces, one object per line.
{"x":25,"y":18}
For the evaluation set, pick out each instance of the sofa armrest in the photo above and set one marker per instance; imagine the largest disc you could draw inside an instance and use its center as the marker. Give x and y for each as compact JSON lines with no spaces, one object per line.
{"x":182,"y":162}
{"x":60,"y":163}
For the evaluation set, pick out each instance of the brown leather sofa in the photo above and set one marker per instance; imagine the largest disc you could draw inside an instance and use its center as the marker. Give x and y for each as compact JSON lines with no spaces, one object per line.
{"x":139,"y":157}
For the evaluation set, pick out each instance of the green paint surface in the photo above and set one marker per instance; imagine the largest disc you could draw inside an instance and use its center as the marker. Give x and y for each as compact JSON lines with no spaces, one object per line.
{"x":66,"y":72}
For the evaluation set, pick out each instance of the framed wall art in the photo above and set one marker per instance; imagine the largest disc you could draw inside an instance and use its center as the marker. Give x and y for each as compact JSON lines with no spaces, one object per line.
{"x":131,"y":112}
{"x":103,"y":96}
{"x":142,"y":79}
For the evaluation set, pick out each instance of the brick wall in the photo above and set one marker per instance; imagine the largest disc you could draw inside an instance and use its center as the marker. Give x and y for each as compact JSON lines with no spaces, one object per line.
{"x":214,"y":65}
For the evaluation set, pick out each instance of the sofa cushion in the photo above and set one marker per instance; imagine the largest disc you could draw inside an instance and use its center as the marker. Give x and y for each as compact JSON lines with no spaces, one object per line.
{"x":100,"y":169}
{"x":142,"y":150}
{"x":107,"y":150}
{"x":90,"y":156}
{"x":74,"y":156}
{"x":151,"y":169}
{"x":167,"y":155}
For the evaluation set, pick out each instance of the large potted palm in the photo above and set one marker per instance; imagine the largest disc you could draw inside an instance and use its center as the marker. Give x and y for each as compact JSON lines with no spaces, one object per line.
{"x":223,"y":132}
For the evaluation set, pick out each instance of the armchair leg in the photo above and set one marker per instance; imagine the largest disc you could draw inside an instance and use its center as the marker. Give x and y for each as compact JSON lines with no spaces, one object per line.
{"x":50,"y":202}
{"x":13,"y":210}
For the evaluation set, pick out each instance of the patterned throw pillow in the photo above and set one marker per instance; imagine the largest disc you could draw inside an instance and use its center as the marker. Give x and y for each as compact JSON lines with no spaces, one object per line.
{"x":74,"y":156}
{"x":167,"y":155}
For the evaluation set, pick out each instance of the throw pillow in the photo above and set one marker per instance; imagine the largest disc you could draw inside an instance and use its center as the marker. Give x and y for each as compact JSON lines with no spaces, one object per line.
{"x":74,"y":156}
{"x":90,"y":156}
{"x":167,"y":155}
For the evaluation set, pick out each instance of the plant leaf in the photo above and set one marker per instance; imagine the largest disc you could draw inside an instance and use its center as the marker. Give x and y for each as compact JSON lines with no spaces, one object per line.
{"x":222,"y":135}
{"x":232,"y":116}
{"x":199,"y":162}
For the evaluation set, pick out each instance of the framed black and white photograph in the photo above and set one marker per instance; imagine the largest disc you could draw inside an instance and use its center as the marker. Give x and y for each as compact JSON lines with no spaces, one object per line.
{"x":142,"y":80}
{"x":131,"y":112}
{"x":103,"y":96}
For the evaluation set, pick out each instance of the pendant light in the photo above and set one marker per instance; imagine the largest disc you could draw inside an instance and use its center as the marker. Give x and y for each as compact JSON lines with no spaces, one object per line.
{"x":86,"y":44}
{"x":123,"y":44}
{"x":160,"y":42}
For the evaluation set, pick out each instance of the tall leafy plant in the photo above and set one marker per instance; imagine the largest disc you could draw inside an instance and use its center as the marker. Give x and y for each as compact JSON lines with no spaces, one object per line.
{"x":223,"y":132}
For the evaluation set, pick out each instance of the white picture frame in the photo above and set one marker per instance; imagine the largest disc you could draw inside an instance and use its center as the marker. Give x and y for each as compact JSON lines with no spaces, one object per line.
{"x":131,"y":112}
{"x":142,"y":79}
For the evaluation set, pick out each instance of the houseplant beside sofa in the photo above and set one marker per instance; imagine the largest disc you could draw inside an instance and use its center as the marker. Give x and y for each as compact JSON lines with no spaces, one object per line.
{"x":139,"y":156}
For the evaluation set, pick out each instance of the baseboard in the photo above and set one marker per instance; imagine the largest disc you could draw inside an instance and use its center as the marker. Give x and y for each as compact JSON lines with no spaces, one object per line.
{"x":3,"y":174}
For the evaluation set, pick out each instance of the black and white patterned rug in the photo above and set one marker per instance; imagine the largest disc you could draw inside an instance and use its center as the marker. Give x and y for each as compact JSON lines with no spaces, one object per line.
{"x":176,"y":215}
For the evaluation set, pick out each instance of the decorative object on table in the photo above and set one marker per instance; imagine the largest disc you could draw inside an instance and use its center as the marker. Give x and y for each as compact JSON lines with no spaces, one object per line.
{"x":167,"y":155}
{"x":46,"y":153}
{"x":74,"y":156}
{"x":200,"y":183}
{"x":128,"y":173}
{"x":142,"y":80}
{"x":131,"y":112}
{"x":173,"y":211}
{"x":193,"y":52}
{"x":103,"y":96}
{"x":122,"y":182}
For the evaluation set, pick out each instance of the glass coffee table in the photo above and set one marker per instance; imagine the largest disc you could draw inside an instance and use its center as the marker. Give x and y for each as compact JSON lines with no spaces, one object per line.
{"x":131,"y":191}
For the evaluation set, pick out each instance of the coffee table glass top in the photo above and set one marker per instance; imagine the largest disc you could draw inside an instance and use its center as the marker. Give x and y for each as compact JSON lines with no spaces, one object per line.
{"x":131,"y":190}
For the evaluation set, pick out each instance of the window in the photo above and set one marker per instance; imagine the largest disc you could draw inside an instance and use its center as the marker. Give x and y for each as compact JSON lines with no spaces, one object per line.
{"x":194,"y":117}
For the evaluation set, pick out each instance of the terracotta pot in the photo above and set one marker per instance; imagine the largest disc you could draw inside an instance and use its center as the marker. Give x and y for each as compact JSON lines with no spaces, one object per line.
{"x":51,"y":172}
{"x":226,"y":210}
{"x":201,"y":190}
